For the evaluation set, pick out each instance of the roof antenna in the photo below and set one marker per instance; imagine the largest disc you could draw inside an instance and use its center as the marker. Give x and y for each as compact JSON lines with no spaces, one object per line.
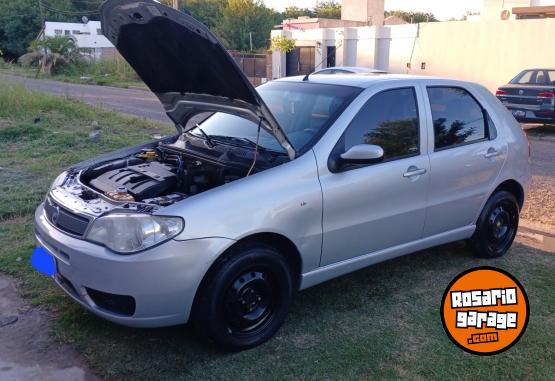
{"x":319,"y":63}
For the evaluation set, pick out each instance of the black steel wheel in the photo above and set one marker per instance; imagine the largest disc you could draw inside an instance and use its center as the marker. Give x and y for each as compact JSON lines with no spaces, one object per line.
{"x":497,"y":226}
{"x":245,"y":297}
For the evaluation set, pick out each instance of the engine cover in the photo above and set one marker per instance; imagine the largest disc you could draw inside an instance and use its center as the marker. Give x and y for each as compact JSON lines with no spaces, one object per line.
{"x":142,"y":181}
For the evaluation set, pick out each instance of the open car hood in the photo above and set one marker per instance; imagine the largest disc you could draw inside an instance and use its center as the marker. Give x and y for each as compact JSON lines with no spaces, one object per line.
{"x":184,"y":64}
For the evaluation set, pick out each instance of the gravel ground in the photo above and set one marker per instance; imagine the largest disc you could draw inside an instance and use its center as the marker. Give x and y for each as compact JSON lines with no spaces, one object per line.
{"x":539,"y":206}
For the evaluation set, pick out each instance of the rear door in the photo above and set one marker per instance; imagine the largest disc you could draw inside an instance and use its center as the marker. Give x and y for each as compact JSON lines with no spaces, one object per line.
{"x":466,"y":156}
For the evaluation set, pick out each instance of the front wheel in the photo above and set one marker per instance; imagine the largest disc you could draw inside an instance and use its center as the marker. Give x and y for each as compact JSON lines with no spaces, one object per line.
{"x":245,"y":298}
{"x":496,"y":227}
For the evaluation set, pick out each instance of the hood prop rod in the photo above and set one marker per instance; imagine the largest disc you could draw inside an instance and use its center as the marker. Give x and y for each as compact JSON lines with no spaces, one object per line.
{"x":255,"y":148}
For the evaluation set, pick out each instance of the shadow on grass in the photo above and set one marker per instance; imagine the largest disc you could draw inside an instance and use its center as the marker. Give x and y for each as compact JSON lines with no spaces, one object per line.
{"x":380,"y":322}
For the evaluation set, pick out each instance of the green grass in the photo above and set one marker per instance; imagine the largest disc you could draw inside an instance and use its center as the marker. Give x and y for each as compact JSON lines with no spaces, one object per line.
{"x":109,"y":72}
{"x":379,"y":323}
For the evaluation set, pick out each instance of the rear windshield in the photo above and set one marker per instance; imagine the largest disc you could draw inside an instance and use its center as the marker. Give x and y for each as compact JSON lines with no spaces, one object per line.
{"x":303,"y":110}
{"x":535,"y":77}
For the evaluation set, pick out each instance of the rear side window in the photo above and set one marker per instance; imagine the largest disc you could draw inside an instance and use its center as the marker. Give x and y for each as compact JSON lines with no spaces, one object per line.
{"x":525,"y":78}
{"x":458,"y":118}
{"x":390,"y":120}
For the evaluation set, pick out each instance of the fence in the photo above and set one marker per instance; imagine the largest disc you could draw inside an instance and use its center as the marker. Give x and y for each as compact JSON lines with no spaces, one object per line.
{"x":253,"y":65}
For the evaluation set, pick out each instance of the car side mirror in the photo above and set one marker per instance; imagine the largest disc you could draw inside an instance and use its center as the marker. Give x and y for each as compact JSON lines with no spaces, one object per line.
{"x":362,"y":154}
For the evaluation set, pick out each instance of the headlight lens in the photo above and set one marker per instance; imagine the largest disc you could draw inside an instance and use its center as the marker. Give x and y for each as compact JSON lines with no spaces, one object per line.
{"x":58,"y":181}
{"x":132,"y":232}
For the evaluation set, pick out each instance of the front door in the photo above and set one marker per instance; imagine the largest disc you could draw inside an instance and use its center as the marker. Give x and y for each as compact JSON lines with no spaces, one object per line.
{"x":368,"y":208}
{"x":292,"y":62}
{"x":300,"y":61}
{"x":330,"y":58}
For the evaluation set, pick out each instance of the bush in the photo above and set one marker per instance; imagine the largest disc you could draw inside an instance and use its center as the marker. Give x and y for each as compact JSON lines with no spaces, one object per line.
{"x":29,"y":59}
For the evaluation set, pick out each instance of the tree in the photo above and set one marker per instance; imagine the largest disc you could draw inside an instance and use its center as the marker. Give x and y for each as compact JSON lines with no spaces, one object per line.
{"x":447,"y":136}
{"x":296,"y":12}
{"x":87,"y":6}
{"x":209,"y":12}
{"x":283,"y":44}
{"x":328,"y":9}
{"x":412,"y":17}
{"x":242,"y":17}
{"x":60,"y":51}
{"x":394,"y":137}
{"x":20,"y":23}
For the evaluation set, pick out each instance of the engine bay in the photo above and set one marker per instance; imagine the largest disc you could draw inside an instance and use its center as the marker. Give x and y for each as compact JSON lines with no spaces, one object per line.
{"x":164,"y":174}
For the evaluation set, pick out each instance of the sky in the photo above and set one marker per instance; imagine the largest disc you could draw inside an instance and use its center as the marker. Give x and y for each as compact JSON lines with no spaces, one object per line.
{"x":442,"y":9}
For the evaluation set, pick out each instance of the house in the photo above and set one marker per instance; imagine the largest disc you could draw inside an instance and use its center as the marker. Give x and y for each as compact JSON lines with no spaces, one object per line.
{"x":88,"y":37}
{"x":491,"y":49}
{"x":517,"y":9}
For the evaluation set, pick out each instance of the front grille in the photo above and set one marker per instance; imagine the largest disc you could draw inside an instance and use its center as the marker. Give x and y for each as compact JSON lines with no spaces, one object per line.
{"x":120,"y":304}
{"x":64,"y":219}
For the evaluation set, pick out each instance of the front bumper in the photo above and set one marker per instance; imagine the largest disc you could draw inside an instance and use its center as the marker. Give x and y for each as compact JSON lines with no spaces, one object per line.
{"x":162,"y":281}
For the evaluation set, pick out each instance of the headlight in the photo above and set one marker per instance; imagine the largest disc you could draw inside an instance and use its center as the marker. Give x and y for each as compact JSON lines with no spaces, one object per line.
{"x":130,"y":232}
{"x":58,"y":181}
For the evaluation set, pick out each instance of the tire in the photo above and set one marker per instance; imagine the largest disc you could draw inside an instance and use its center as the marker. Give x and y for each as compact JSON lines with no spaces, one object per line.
{"x":496,"y":227}
{"x":245,"y":298}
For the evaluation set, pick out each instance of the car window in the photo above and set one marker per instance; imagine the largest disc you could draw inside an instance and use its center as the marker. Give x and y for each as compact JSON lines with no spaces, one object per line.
{"x":524,"y":78}
{"x":390,"y":120}
{"x":325,"y":72}
{"x":541,"y":78}
{"x":458,"y":118}
{"x":550,"y":77}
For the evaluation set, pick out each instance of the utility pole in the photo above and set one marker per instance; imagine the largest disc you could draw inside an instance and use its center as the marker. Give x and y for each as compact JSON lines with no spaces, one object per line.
{"x":43,"y":26}
{"x":175,"y":4}
{"x":250,"y":39}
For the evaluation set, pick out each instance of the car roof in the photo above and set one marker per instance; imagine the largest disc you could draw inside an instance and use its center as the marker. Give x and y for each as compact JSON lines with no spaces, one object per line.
{"x":360,"y":80}
{"x":355,"y":69}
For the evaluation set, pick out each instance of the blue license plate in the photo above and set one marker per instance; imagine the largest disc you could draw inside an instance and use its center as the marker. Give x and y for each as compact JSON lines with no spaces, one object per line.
{"x":43,"y":261}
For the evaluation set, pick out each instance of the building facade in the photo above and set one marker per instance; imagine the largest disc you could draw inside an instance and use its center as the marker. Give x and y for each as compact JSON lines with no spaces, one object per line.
{"x":88,"y":37}
{"x":489,"y":51}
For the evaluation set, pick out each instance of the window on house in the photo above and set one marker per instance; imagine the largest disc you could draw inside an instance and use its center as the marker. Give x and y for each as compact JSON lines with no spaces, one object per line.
{"x":75,"y":32}
{"x":99,"y":32}
{"x":66,"y":32}
{"x":390,"y":120}
{"x":58,"y":32}
{"x":458,"y":118}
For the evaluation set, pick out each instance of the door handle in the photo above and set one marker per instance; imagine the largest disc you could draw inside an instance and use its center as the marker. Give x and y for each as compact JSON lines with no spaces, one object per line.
{"x":492,"y":152}
{"x":414,"y":171}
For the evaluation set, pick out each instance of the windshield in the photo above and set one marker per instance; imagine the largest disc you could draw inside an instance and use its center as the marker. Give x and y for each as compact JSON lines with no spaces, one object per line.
{"x":303,"y":110}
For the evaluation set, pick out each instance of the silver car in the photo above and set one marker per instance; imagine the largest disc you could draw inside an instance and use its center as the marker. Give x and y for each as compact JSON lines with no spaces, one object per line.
{"x":262,"y":193}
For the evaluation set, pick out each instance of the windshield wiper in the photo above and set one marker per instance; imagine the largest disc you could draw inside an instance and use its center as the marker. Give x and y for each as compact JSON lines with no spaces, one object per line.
{"x":237,"y":140}
{"x":208,"y":139}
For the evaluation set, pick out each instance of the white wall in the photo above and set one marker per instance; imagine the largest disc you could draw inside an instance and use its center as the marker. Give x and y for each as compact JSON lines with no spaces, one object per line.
{"x":490,"y":53}
{"x":487,"y":52}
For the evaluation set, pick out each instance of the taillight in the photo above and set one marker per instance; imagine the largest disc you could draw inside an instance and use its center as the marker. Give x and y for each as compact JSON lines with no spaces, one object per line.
{"x":546,"y":94}
{"x":501,"y":92}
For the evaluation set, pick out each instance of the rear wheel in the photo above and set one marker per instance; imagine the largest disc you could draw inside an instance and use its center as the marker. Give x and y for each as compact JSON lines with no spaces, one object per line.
{"x":497,"y":226}
{"x":245,"y":298}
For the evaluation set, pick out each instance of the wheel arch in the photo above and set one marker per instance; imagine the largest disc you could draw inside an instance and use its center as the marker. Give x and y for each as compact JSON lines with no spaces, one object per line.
{"x":514,"y":187}
{"x":281,"y":243}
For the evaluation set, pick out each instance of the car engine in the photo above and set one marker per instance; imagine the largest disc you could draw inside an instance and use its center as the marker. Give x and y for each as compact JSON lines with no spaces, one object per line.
{"x":162,"y":175}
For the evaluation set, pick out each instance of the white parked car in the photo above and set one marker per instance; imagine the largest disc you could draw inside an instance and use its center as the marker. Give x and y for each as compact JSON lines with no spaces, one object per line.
{"x":349,"y":70}
{"x":282,"y":188}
